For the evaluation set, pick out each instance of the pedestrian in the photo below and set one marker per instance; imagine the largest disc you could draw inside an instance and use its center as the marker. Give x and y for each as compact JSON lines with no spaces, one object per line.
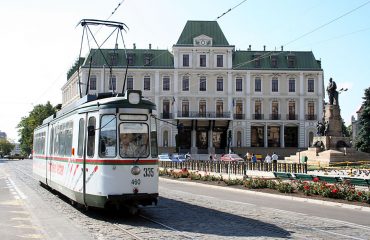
{"x":274,"y":157}
{"x":268,"y":158}
{"x":247,"y":156}
{"x":254,"y":158}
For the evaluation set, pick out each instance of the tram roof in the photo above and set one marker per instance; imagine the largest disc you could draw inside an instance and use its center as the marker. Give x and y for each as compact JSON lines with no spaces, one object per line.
{"x":89,"y":103}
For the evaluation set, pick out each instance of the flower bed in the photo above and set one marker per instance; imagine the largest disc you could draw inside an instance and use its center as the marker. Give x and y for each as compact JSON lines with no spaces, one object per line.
{"x":343,"y":190}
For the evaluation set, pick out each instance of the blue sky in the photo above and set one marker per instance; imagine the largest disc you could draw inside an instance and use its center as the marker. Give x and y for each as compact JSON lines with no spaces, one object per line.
{"x":40,"y":40}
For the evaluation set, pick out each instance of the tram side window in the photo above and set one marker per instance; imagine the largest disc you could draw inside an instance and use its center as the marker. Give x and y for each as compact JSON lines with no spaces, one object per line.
{"x":108,"y":136}
{"x":91,"y":137}
{"x":39,"y":143}
{"x":153,"y":137}
{"x":68,"y":138}
{"x":51,"y":141}
{"x":81,"y":132}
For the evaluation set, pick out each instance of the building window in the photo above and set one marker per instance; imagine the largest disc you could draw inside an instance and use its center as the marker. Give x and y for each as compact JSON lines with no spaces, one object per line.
{"x":239,"y":84}
{"x":202,"y":60}
{"x":202,"y":108}
{"x":257,"y":61}
{"x":291,"y":110}
{"x":112,"y":83}
{"x":166,"y":109}
{"x":185,"y":60}
{"x":202,"y":84}
{"x":258,"y":110}
{"x":291,"y":85}
{"x":130,"y":59}
{"x":165,"y":138}
{"x":130,"y":83}
{"x":311,"y":85}
{"x":291,"y":61}
{"x":93,"y":82}
{"x":185,"y":83}
{"x":274,"y":62}
{"x":257,"y":84}
{"x":311,"y":111}
{"x":275,"y":85}
{"x":220,"y":84}
{"x":275,"y":110}
{"x":220,"y":60}
{"x":219,"y":109}
{"x":239,"y":110}
{"x":166,"y":83}
{"x":273,"y":136}
{"x":147,"y":60}
{"x":185,"y":108}
{"x":113,"y":59}
{"x":147,"y":83}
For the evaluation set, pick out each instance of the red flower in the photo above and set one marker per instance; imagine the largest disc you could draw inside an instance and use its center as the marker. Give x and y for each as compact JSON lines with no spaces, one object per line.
{"x":334,"y":190}
{"x":306,"y":187}
{"x":316,"y":179}
{"x":359,"y":194}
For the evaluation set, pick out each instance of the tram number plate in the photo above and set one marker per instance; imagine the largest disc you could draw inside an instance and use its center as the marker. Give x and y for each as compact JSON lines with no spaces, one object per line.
{"x":148,"y":172}
{"x":135,"y":182}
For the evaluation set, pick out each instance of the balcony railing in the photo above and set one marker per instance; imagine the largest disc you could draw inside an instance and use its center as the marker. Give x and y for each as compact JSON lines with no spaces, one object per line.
{"x":196,"y":114}
{"x":166,"y":115}
{"x":311,"y":117}
{"x":258,"y":116}
{"x":274,"y":116}
{"x":291,"y":117}
{"x":239,"y":116}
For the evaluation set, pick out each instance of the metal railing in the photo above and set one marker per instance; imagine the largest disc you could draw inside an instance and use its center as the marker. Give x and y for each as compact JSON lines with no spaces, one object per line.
{"x":239,"y":168}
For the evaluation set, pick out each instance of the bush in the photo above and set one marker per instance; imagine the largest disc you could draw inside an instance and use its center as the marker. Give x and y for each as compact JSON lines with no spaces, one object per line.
{"x":285,"y":187}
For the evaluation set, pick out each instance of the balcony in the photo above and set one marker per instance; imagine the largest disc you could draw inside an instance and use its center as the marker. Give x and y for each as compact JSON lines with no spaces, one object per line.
{"x":239,"y":116}
{"x":275,"y":116}
{"x":258,"y":116}
{"x":291,"y":116}
{"x":311,"y":117}
{"x":166,"y":116}
{"x":196,"y":114}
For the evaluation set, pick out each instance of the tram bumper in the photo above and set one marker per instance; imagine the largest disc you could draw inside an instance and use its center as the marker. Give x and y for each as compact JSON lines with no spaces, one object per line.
{"x":133,"y":199}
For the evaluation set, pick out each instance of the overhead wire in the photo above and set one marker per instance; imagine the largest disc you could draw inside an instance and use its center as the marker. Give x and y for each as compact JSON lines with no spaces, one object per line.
{"x":230,"y":9}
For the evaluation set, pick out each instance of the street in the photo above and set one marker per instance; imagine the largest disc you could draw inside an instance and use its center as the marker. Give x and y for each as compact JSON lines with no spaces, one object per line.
{"x":186,"y":210}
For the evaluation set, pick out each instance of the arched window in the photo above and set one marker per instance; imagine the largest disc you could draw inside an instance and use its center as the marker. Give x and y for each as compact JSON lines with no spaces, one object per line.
{"x":238,"y":139}
{"x":165,"y":138}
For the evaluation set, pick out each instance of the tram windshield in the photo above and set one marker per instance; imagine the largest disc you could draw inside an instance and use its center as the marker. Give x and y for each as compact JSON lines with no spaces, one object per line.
{"x":133,"y":139}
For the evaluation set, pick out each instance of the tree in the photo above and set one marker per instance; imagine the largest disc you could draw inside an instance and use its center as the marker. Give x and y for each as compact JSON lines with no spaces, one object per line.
{"x":28,"y":124}
{"x":346,"y":131}
{"x":363,"y":137}
{"x":5,"y":147}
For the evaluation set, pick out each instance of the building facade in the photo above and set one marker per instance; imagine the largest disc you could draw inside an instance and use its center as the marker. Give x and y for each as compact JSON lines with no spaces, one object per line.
{"x":221,"y":97}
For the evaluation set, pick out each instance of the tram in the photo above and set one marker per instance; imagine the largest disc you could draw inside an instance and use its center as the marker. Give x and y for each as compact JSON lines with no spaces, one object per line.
{"x":101,"y":151}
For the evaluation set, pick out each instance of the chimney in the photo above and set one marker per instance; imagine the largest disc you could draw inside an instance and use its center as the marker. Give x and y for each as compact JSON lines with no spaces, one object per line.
{"x":150,"y":46}
{"x":116,"y":46}
{"x":250,"y":47}
{"x":282,"y":48}
{"x":134,"y":46}
{"x":264,"y":47}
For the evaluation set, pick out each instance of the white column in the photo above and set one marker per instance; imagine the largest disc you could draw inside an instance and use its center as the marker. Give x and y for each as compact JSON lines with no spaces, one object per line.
{"x":175,"y":92}
{"x":301,"y":97}
{"x":248,"y":107}
{"x":266,"y":137}
{"x":230,"y":92}
{"x":156,"y":90}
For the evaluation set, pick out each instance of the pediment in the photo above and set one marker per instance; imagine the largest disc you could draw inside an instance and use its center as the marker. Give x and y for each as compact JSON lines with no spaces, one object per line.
{"x":202,"y":40}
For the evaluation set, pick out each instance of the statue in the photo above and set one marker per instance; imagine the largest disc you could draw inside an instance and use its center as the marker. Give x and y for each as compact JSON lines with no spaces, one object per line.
{"x":326,"y":128}
{"x":332,"y":92}
{"x":320,"y":128}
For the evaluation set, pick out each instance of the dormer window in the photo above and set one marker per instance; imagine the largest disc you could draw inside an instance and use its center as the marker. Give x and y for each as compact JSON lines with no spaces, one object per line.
{"x":113,"y":58}
{"x":130,"y":59}
{"x":147,"y":60}
{"x":257,"y":60}
{"x":274,"y":62}
{"x":291,"y":61}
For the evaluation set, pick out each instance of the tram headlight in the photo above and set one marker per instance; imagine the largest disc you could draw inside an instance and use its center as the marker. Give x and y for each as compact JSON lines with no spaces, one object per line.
{"x":134,"y":98}
{"x":135,"y":170}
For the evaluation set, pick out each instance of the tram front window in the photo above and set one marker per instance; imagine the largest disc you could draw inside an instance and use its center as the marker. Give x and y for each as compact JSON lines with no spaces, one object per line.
{"x":133,"y":138}
{"x":108,"y":137}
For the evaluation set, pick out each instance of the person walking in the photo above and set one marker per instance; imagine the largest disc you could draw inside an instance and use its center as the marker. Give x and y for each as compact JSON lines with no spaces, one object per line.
{"x":274,"y":157}
{"x":254,"y":158}
{"x":268,"y":158}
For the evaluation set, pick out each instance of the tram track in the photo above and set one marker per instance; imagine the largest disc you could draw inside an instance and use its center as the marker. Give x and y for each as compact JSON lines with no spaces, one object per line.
{"x":137,"y":227}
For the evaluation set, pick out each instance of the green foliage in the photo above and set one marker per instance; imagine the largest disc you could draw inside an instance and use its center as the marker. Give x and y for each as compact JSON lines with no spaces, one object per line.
{"x":363,"y":138}
{"x":28,"y":124}
{"x":346,"y":131}
{"x":5,"y":147}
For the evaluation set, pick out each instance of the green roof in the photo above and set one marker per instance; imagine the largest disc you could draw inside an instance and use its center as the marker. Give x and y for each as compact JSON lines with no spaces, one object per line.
{"x":194,"y":29}
{"x":243,"y":60}
{"x":117,"y":58}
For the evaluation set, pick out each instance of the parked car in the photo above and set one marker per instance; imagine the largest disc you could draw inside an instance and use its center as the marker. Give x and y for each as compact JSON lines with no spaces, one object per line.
{"x":178,"y":158}
{"x":164,"y":157}
{"x":231,"y":157}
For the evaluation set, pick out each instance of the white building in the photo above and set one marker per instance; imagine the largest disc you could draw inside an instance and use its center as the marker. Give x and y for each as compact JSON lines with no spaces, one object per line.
{"x":248,"y":99}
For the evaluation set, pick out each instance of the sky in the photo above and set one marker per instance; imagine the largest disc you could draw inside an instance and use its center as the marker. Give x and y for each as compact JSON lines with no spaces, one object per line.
{"x":40,"y":40}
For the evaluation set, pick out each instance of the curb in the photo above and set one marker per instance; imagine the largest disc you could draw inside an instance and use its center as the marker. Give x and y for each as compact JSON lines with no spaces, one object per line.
{"x":298,"y":199}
